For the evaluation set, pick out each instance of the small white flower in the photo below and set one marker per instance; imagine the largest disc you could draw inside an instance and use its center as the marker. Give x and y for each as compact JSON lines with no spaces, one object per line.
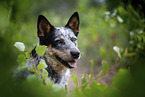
{"x":131,"y":42}
{"x":119,"y":19}
{"x":117,"y":50}
{"x":140,"y":32}
{"x":114,"y":13}
{"x":131,"y":33}
{"x":107,"y":13}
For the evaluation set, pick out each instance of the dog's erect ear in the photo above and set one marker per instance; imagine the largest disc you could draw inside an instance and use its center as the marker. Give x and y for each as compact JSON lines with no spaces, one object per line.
{"x":43,"y":26}
{"x":73,"y":23}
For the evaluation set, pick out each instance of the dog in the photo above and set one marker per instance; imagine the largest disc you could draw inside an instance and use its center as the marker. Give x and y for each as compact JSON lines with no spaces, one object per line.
{"x":62,"y":51}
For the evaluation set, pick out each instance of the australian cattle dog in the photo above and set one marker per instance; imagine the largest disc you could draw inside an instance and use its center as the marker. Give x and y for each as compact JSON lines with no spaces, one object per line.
{"x":61,"y":53}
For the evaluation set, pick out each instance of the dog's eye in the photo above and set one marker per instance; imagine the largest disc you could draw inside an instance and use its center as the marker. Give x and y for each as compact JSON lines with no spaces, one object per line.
{"x":73,"y":39}
{"x":58,"y":41}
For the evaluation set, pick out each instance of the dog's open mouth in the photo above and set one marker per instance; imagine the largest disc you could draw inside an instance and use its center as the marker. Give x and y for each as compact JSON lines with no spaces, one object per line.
{"x":68,"y":64}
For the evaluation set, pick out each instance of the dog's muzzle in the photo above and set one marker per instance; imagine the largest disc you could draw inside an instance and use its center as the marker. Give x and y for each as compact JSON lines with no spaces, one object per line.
{"x":69,"y":64}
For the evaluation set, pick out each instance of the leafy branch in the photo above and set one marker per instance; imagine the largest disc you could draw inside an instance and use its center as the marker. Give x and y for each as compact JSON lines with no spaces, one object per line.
{"x":39,"y":67}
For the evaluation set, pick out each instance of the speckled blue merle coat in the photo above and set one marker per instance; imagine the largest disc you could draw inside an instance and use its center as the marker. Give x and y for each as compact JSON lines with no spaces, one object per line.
{"x":62,"y":52}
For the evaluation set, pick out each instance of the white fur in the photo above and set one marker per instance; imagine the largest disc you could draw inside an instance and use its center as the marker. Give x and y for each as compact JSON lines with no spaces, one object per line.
{"x":65,"y":78}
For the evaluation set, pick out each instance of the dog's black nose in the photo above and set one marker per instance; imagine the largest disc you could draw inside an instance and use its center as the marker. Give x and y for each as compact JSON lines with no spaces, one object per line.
{"x":75,"y":54}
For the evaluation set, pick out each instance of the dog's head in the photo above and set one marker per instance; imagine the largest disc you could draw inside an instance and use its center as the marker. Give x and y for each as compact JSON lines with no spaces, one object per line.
{"x":61,"y":41}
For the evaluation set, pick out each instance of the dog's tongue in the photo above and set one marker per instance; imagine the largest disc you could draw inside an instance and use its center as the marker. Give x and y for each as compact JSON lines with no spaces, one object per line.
{"x":73,"y":63}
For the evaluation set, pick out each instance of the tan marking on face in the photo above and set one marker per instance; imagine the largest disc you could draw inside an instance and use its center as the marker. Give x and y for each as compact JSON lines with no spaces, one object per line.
{"x":61,"y":37}
{"x":41,"y":34}
{"x":49,"y":46}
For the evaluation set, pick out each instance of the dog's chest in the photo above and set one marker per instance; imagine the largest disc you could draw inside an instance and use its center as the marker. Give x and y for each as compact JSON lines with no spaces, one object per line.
{"x":65,"y":78}
{"x":56,"y":77}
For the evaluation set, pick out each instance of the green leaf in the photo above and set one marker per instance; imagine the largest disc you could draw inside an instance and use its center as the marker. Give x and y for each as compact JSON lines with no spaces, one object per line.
{"x":74,"y":79}
{"x":66,"y":88}
{"x":42,"y":64}
{"x":28,"y":55}
{"x":103,"y":52}
{"x":20,"y":46}
{"x":42,"y":61}
{"x":21,"y":58}
{"x":112,"y":23}
{"x":32,"y":70}
{"x":44,"y":74}
{"x":105,"y":67}
{"x":84,"y":81}
{"x":41,"y":50}
{"x":95,"y":90}
{"x":22,"y":66}
{"x":92,"y":65}
{"x":33,"y":66}
{"x":48,"y":82}
{"x":56,"y":88}
{"x":76,"y":93}
{"x":34,"y":79}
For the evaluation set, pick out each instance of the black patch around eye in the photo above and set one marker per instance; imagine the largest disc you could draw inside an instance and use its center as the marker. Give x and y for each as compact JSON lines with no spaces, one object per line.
{"x":59,"y":41}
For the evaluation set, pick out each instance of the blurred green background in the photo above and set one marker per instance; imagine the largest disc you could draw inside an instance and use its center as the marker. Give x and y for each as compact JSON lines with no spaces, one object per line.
{"x":103,"y":25}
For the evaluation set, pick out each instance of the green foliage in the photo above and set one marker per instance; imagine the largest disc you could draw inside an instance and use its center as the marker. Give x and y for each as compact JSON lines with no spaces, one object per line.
{"x":41,"y":50}
{"x":32,"y":70}
{"x":42,"y":64}
{"x":4,"y":17}
{"x":22,"y":66}
{"x":44,"y":74}
{"x":84,"y":82}
{"x":40,"y":68}
{"x":103,"y":52}
{"x":74,"y":77}
{"x":27,"y":54}
{"x":95,"y":90}
{"x":48,"y":90}
{"x":92,"y":66}
{"x":105,"y":67}
{"x":22,"y":61}
{"x":21,"y":58}
{"x":119,"y":82}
